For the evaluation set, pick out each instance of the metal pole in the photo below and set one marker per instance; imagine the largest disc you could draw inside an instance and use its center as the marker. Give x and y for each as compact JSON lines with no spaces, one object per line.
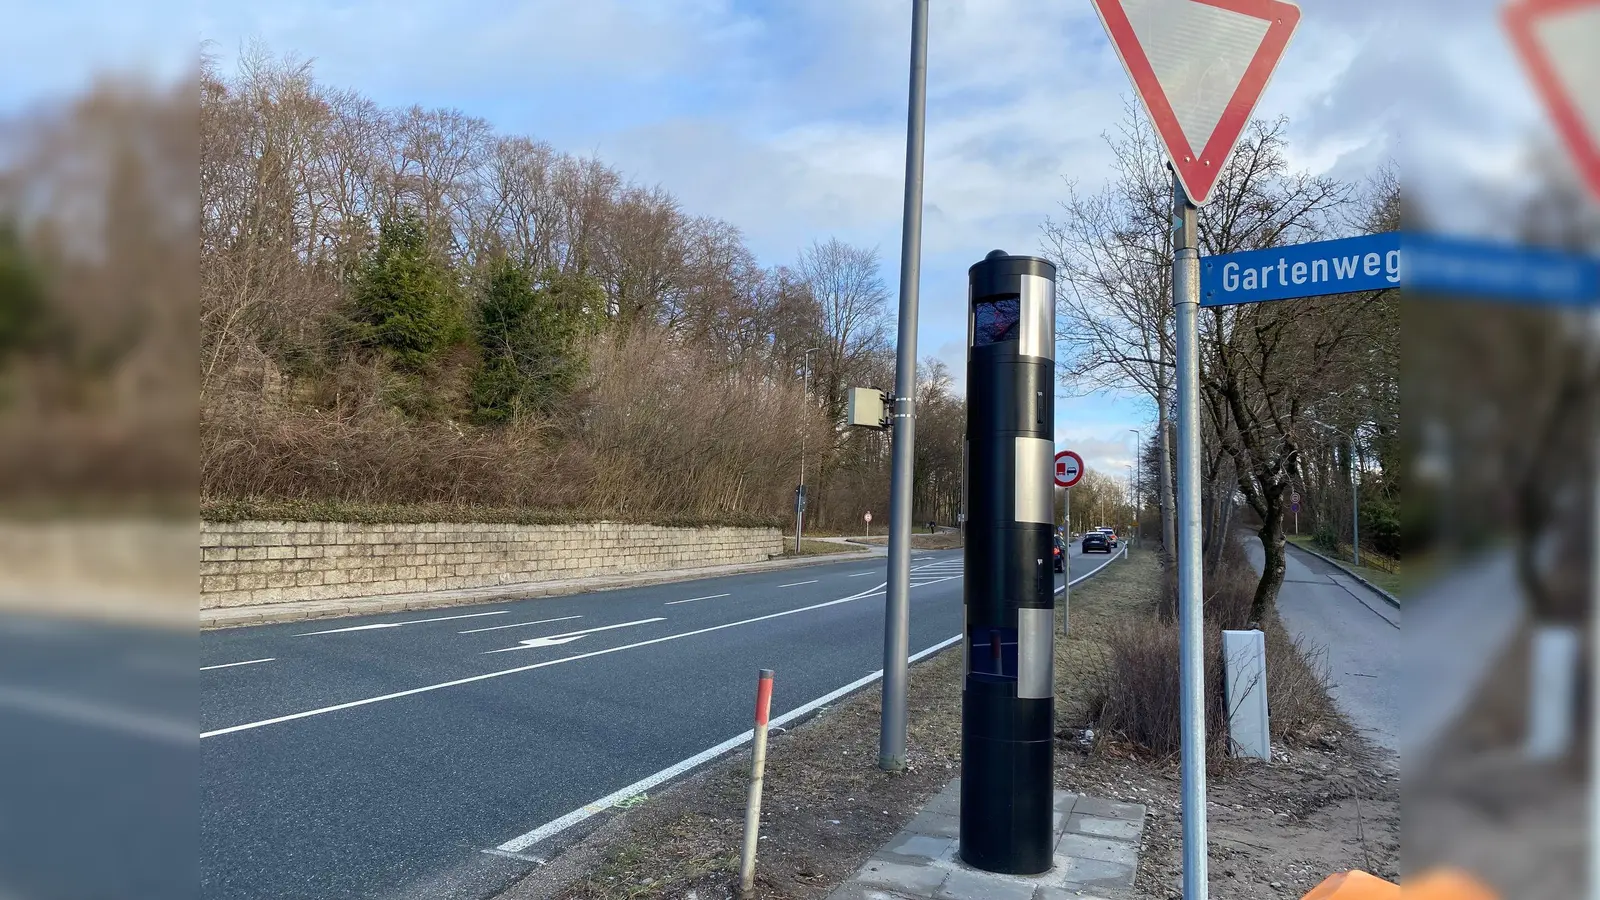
{"x":1355,"y":506}
{"x":1066,"y":562}
{"x":799,"y":502}
{"x":1191,"y":637}
{"x":758,"y":769}
{"x":897,"y":609}
{"x":1138,"y":477}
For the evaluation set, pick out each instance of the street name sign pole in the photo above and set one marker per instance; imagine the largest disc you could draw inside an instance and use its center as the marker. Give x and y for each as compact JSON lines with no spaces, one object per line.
{"x":1069,"y":471}
{"x":1199,"y":68}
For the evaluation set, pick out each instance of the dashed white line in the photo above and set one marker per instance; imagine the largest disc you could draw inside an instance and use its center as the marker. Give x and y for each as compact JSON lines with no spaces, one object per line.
{"x":498,"y":612}
{"x":693,"y":599}
{"x":798,"y":583}
{"x":517,"y":625}
{"x":859,"y":574}
{"x":248,"y":662}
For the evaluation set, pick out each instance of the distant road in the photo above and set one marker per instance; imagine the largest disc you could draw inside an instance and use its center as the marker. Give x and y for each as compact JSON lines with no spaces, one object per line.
{"x":1359,"y":631}
{"x":382,"y":756}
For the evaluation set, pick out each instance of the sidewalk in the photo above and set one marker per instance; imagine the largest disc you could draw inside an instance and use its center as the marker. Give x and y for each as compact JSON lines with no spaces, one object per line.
{"x":234,"y":616}
{"x":1096,"y":856}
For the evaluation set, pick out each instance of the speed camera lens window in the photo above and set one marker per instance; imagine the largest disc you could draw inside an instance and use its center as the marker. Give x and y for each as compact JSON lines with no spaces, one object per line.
{"x":997,"y":320}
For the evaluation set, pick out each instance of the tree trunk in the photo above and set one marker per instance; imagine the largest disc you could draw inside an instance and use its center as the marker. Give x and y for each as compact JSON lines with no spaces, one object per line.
{"x":1273,"y":568}
{"x":1169,"y":525}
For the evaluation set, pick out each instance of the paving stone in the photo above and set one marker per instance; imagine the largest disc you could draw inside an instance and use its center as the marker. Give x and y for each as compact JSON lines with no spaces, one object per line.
{"x":1094,"y":873}
{"x":1050,"y":892}
{"x":1083,"y":846}
{"x":1116,"y":829}
{"x":851,"y":890}
{"x":936,"y":824}
{"x":911,"y":879}
{"x":919,"y":846}
{"x":966,"y":884}
{"x":1109,"y":809}
{"x":1066,"y":801}
{"x":945,"y":802}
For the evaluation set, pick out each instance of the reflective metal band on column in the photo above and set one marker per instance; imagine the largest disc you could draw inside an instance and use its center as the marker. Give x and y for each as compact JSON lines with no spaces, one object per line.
{"x":1038,"y":331}
{"x":1035,"y":495}
{"x":1036,"y":677}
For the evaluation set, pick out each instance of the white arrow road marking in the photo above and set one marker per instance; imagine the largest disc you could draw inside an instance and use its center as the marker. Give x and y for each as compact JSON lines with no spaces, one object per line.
{"x":498,"y":612}
{"x":517,"y":625}
{"x":554,"y":639}
{"x":248,"y":662}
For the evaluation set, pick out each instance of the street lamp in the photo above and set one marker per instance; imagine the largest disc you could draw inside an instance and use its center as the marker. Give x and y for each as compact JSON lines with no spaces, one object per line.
{"x":1355,"y":493}
{"x":1138,"y":474}
{"x":800,"y":493}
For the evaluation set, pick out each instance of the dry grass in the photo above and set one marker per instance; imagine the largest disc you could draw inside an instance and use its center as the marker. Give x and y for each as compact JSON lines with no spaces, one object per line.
{"x":1131,"y":686}
{"x":944,"y":540}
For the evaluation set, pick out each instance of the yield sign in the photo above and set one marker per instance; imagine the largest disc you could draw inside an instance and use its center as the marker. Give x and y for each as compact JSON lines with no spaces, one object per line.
{"x":1199,"y":66}
{"x":1556,"y":40}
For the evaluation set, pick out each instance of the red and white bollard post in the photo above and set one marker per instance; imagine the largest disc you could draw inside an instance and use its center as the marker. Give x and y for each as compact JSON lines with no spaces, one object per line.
{"x":758,"y":766}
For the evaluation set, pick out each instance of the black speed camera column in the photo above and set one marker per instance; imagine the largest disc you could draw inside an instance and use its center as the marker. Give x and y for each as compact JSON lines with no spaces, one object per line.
{"x":1007,"y":706}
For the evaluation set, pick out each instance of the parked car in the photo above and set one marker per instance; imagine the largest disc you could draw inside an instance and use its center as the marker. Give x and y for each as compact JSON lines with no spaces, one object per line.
{"x":1096,"y":540}
{"x":1061,"y":554}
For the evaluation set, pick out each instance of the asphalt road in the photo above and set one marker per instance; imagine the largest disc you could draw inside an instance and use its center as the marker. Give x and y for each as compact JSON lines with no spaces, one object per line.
{"x":381,"y":756}
{"x":97,"y":754}
{"x":1357,"y":630}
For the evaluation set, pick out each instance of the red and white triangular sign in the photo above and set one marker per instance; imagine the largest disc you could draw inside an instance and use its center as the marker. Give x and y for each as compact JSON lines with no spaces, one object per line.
{"x":1558,"y":41}
{"x":1199,"y":67}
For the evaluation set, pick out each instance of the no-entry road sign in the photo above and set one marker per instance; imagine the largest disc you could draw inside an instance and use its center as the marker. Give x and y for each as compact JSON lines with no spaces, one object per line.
{"x":1069,"y":468}
{"x":1199,"y":67}
{"x":1556,"y":40}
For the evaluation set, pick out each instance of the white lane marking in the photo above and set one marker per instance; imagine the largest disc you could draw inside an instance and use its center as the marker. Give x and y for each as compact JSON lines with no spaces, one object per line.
{"x":693,"y":599}
{"x":517,"y":625}
{"x":496,"y":851}
{"x":859,"y":574}
{"x":248,"y":662}
{"x":523,"y":842}
{"x":85,"y":712}
{"x":324,"y":710}
{"x":554,"y":639}
{"x":498,"y":612}
{"x":1109,"y":560}
{"x":798,"y":583}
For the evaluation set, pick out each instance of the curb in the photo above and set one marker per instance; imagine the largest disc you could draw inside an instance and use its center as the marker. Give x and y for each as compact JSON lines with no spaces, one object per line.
{"x":241,"y":616}
{"x":1389,"y":598}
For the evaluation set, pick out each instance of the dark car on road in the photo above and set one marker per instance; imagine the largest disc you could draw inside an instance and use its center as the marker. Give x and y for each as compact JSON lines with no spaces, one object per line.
{"x":1096,"y":540}
{"x":1061,"y":554}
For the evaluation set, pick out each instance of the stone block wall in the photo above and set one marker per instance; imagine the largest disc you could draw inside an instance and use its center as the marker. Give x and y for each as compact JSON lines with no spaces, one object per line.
{"x":249,"y":563}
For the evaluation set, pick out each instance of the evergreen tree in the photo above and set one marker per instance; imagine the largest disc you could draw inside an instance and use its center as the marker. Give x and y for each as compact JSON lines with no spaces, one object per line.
{"x":531,"y":340}
{"x":405,"y":299}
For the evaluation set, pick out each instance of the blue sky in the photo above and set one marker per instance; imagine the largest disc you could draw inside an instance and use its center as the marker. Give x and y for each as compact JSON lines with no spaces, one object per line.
{"x":788,"y":118}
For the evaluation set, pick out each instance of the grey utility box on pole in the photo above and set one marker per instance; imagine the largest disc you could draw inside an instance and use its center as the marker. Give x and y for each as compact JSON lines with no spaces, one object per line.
{"x":1008,"y":679}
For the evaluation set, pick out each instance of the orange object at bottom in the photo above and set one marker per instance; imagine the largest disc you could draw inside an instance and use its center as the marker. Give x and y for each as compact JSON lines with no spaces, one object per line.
{"x":1356,"y":885}
{"x":1435,"y":885}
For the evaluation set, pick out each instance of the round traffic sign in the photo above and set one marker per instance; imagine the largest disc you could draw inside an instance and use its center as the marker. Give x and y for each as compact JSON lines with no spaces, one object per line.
{"x":1294,"y":496}
{"x":868,"y":516}
{"x":1069,"y":468}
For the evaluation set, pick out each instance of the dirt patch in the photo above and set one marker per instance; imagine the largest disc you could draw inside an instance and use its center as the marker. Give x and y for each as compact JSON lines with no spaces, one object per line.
{"x":1325,"y":805}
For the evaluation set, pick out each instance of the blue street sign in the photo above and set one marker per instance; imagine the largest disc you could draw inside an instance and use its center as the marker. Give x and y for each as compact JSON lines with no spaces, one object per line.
{"x":1370,"y":262}
{"x":1461,"y":268}
{"x":1428,"y":264}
